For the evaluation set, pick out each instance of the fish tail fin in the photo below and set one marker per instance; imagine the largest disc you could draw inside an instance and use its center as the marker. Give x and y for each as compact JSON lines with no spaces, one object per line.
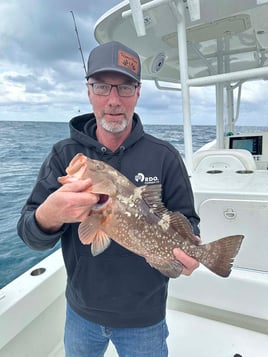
{"x":218,"y":256}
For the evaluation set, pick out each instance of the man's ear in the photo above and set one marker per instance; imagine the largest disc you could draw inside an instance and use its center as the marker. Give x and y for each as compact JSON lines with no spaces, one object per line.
{"x":138,"y":91}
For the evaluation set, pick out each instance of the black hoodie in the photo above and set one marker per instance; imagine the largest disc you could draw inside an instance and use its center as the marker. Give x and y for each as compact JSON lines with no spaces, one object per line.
{"x":116,"y":288}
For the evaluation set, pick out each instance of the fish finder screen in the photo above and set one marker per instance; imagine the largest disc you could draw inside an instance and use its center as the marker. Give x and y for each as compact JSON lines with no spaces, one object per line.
{"x":251,"y":143}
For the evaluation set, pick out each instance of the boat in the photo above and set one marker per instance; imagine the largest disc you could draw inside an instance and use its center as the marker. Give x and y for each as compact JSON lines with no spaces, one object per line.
{"x":184,"y":44}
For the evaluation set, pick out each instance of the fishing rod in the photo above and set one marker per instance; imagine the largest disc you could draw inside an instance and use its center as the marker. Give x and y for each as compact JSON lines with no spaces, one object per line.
{"x":79,"y":43}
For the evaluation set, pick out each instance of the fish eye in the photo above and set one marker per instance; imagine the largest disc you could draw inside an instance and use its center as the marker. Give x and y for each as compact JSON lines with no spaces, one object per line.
{"x":99,"y":166}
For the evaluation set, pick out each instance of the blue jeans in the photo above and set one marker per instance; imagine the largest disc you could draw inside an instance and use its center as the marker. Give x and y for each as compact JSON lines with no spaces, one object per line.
{"x":87,"y":339}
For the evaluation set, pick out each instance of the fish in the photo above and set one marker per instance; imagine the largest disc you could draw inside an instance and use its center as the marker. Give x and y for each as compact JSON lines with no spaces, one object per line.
{"x":137,"y":219}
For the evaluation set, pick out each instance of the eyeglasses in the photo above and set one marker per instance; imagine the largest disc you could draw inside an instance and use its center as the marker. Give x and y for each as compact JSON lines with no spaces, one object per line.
{"x":123,"y":90}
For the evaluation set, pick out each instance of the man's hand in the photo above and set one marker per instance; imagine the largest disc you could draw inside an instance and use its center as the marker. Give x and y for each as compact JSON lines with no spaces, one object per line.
{"x":189,"y":263}
{"x":69,"y":204}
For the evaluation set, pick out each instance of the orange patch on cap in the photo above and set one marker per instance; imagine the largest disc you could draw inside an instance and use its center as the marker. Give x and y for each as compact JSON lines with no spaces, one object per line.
{"x":128,"y":61}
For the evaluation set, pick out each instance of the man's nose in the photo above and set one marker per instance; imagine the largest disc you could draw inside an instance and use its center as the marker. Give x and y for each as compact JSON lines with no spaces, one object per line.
{"x":114,"y":95}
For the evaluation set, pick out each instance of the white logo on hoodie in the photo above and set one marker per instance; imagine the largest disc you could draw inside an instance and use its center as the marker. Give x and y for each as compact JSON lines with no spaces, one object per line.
{"x":147,"y":180}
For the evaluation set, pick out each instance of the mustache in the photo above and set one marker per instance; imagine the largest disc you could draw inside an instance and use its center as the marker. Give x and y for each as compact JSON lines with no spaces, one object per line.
{"x":114,"y":112}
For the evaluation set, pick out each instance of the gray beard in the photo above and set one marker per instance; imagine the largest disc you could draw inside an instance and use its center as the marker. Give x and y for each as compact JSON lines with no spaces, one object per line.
{"x":114,"y":128}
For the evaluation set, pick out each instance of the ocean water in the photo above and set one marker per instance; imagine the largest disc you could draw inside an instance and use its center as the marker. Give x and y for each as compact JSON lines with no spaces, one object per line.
{"x":23,"y":147}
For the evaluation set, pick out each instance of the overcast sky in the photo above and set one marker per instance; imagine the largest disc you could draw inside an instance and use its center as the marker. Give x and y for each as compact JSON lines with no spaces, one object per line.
{"x":42,"y":77}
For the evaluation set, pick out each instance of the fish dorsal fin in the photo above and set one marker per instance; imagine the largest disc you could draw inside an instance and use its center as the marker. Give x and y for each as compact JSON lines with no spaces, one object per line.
{"x":152,"y":196}
{"x":182,"y":225}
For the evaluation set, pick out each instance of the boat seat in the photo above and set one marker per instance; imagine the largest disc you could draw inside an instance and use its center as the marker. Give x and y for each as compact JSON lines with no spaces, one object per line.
{"x":223,"y":159}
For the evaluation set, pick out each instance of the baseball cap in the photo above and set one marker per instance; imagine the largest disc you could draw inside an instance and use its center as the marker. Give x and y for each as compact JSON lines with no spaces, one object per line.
{"x":116,"y":57}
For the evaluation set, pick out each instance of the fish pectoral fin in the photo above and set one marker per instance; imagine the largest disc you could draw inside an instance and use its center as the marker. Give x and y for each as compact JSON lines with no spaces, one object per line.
{"x":106,"y":187}
{"x":88,"y":229}
{"x":89,"y":232}
{"x":100,"y":243}
{"x":171,"y":268}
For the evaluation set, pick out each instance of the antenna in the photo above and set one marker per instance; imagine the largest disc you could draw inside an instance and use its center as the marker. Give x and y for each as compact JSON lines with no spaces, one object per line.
{"x":78,"y":40}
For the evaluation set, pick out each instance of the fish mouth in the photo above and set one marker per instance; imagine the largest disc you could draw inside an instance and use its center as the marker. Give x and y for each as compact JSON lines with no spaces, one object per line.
{"x":102,"y":202}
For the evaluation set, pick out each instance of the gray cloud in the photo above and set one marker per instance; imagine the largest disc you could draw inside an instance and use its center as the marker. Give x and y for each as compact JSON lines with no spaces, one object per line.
{"x":38,"y":32}
{"x":40,"y":60}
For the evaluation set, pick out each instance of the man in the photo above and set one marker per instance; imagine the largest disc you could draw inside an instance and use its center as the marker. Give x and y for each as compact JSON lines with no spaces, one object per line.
{"x":116,"y":295}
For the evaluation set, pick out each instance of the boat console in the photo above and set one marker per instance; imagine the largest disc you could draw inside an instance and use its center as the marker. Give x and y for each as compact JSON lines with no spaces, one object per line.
{"x":231,"y":195}
{"x":255,"y":143}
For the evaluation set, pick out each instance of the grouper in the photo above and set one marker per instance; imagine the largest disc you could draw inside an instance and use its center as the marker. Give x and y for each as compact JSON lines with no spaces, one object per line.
{"x":136,"y":218}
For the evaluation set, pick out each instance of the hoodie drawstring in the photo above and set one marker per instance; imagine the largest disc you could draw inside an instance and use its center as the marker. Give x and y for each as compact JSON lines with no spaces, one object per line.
{"x":120,"y":156}
{"x":109,"y":157}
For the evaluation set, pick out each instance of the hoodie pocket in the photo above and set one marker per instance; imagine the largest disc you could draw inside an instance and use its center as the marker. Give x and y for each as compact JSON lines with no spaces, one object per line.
{"x":117,"y":283}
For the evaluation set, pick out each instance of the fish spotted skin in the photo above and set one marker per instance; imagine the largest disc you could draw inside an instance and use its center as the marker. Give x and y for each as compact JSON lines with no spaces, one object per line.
{"x":136,"y":218}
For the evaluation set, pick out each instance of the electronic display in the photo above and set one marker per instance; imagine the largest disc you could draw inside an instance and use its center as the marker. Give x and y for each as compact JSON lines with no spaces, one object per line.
{"x":251,"y":143}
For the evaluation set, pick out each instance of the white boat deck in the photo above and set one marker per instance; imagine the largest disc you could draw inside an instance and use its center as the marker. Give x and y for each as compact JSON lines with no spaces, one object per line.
{"x":196,"y":336}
